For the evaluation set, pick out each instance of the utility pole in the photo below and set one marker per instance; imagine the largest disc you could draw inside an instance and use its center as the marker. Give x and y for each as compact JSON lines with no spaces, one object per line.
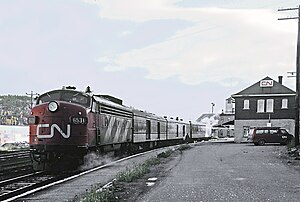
{"x":212,"y":107}
{"x":31,"y":98}
{"x":297,"y":72}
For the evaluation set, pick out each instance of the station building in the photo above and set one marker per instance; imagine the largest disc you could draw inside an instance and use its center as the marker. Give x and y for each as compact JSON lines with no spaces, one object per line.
{"x":265,"y":103}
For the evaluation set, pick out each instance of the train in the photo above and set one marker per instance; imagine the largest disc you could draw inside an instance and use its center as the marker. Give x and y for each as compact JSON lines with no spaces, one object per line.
{"x":67,"y":124}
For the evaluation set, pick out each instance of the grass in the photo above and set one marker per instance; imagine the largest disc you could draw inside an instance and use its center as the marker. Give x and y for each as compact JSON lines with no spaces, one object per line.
{"x":137,"y":171}
{"x":96,"y":195}
{"x":291,"y":144}
{"x":165,"y":154}
{"x":128,"y":175}
{"x":184,"y":147}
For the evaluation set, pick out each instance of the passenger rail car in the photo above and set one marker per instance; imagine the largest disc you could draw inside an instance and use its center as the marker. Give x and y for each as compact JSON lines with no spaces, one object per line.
{"x":67,"y":124}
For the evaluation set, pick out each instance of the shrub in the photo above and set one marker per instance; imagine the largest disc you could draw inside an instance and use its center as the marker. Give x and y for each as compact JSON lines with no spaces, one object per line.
{"x":95,"y":195}
{"x":165,"y":154}
{"x":184,"y":147}
{"x":131,"y":175}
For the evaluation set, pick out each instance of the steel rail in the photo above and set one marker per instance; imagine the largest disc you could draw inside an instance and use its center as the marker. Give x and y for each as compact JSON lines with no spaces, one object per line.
{"x":32,"y":188}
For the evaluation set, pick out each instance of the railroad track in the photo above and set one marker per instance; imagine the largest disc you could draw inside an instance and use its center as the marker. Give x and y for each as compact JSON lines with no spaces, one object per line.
{"x":19,"y":187}
{"x":11,"y":188}
{"x":9,"y":157}
{"x":18,"y":152}
{"x":14,"y":163}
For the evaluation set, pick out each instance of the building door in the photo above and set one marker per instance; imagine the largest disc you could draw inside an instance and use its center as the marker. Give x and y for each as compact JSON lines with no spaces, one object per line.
{"x":158,"y":130}
{"x":148,"y":129}
{"x":246,"y":131}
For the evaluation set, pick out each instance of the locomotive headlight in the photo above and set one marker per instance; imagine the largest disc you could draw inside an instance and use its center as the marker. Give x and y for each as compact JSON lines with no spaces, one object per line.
{"x":52,"y":106}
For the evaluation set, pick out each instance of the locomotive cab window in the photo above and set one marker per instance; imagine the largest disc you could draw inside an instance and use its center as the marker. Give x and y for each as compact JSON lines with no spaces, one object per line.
{"x":47,"y":97}
{"x":75,"y":97}
{"x":68,"y":96}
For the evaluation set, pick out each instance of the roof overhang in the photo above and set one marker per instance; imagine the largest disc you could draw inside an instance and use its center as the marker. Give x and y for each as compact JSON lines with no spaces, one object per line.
{"x":264,"y":95}
{"x":228,"y":123}
{"x":224,"y":125}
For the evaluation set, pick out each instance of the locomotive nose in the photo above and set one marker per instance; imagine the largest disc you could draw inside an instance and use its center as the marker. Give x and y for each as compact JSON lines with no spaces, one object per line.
{"x":32,"y":120}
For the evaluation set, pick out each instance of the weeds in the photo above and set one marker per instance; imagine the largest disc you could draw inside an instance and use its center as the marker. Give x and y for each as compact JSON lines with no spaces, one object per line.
{"x":184,"y":147}
{"x":96,"y":195}
{"x":152,"y":161}
{"x":128,"y":175}
{"x":165,"y":154}
{"x":138,"y":171}
{"x":291,"y":143}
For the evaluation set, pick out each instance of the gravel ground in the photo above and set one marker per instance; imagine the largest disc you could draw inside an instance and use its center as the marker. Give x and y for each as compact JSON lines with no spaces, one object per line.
{"x":138,"y":190}
{"x":132,"y":191}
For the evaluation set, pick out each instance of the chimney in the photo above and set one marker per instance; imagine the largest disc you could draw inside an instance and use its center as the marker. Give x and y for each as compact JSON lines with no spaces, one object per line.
{"x":280,"y":79}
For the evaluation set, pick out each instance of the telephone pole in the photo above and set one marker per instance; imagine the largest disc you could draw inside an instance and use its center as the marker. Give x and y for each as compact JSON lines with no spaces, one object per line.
{"x":31,"y":98}
{"x":297,"y":72}
{"x":212,"y":107}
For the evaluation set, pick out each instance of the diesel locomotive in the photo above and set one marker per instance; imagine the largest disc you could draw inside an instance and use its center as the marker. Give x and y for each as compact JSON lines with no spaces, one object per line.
{"x":67,"y":124}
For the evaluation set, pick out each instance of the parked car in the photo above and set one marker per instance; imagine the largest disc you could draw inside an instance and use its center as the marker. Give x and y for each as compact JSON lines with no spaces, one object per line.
{"x":263,"y":135}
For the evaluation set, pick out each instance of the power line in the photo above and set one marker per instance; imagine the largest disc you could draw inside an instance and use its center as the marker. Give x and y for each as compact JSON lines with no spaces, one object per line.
{"x":215,"y":26}
{"x":31,"y":98}
{"x":192,"y":33}
{"x":218,"y":26}
{"x":279,"y":3}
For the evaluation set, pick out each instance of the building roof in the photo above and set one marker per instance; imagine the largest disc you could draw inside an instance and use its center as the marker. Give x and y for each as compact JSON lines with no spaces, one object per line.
{"x":267,"y":90}
{"x":209,"y":117}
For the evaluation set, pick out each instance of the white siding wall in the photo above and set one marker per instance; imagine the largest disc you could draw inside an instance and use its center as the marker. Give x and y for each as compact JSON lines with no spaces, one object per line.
{"x":239,"y":125}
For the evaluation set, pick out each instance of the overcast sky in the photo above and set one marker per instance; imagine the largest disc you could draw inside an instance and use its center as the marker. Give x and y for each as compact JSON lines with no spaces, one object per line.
{"x":169,"y":57}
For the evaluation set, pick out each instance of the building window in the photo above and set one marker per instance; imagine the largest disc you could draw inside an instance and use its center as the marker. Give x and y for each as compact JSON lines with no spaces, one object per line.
{"x":246,"y":104}
{"x":270,"y":105}
{"x":284,"y":104}
{"x":260,"y":106}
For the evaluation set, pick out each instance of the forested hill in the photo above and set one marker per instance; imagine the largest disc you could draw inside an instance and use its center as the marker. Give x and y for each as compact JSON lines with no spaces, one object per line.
{"x":14,"y":109}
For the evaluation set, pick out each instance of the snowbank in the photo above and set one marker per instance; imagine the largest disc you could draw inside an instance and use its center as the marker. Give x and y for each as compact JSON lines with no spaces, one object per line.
{"x":10,"y":134}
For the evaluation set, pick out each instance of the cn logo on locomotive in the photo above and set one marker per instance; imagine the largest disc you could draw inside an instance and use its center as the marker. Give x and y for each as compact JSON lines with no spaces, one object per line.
{"x":53,"y":126}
